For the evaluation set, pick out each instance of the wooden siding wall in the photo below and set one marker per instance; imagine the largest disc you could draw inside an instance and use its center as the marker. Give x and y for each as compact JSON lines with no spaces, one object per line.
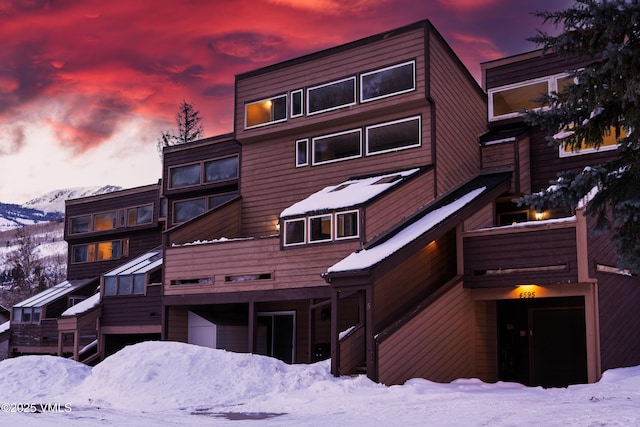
{"x":223,"y":222}
{"x":330,"y":65}
{"x":461,"y":116}
{"x":618,"y":302}
{"x":36,"y":335}
{"x":524,"y":168}
{"x":485,"y":331}
{"x":505,"y":72}
{"x":520,"y":249}
{"x":352,"y":351}
{"x":502,"y":154}
{"x":485,"y":217}
{"x":403,"y":287}
{"x":436,"y":344}
{"x":140,"y":241}
{"x":177,"y":324}
{"x":134,"y":310}
{"x":398,"y":205}
{"x":292,"y":268}
{"x":270,"y":180}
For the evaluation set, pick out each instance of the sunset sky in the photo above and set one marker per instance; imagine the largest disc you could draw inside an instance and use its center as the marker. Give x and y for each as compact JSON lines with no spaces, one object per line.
{"x":87,"y":86}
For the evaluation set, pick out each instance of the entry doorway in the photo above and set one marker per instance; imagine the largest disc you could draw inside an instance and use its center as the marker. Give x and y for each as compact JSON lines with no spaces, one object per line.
{"x":542,"y":342}
{"x":275,"y":335}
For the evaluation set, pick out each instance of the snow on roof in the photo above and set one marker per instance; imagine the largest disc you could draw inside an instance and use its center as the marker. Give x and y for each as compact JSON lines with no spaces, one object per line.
{"x":347,"y":194}
{"x":53,"y":293}
{"x":141,"y":264}
{"x":83,"y":306}
{"x":5,"y":326}
{"x":366,"y":258}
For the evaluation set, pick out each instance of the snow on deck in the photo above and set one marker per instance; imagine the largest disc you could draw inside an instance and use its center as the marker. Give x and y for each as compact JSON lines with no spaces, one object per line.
{"x":83,"y":306}
{"x":369,"y":257}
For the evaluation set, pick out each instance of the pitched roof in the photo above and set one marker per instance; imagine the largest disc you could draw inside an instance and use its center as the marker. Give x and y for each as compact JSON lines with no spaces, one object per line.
{"x":351,"y":193}
{"x":428,"y":220}
{"x":53,"y":293}
{"x":142,"y":264}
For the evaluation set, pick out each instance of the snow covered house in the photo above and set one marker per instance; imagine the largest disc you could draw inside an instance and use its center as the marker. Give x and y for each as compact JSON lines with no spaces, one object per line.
{"x":341,"y":150}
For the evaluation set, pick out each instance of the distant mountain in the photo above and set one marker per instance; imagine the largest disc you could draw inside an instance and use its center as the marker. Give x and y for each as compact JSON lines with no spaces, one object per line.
{"x":54,"y":200}
{"x":49,"y":207}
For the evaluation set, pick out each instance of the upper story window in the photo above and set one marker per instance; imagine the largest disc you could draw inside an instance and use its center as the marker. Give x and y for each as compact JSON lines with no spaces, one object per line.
{"x":97,"y":222}
{"x":321,"y":228}
{"x":509,"y":101}
{"x":337,"y":146}
{"x":388,"y":81}
{"x":265,"y":111}
{"x":609,"y":142}
{"x":140,"y":215}
{"x":99,"y":251}
{"x":205,"y":172}
{"x":302,"y":152}
{"x":296,"y":103}
{"x":130,"y":284}
{"x":330,"y":96}
{"x":184,"y":210}
{"x":392,"y":136}
{"x":26,"y":315}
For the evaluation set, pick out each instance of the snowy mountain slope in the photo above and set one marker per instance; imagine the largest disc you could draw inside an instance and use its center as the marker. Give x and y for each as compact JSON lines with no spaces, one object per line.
{"x":54,"y":200}
{"x":48,"y":207}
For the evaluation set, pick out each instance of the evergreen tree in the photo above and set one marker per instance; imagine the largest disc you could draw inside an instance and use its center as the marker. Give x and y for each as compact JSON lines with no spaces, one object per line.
{"x":605,"y":98}
{"x":189,"y":125}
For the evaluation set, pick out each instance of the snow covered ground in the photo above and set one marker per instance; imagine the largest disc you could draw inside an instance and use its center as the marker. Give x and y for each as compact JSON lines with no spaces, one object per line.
{"x":176,"y":384}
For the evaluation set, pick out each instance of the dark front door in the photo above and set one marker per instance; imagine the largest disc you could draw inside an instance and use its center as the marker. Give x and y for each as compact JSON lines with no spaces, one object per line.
{"x":275,"y":335}
{"x":559,"y":346}
{"x":542,"y":341}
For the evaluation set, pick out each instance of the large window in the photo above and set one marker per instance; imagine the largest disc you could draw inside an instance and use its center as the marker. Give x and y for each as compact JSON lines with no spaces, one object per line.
{"x":130,"y":284}
{"x":184,"y":210}
{"x":80,"y":224}
{"x":320,"y":228}
{"x":221,"y":169}
{"x":337,"y":146}
{"x":388,"y":81}
{"x":206,"y":172}
{"x":395,"y":135}
{"x":140,"y":215}
{"x":511,"y":100}
{"x":99,"y":251}
{"x":266,"y":111}
{"x":26,"y":315}
{"x":329,"y":96}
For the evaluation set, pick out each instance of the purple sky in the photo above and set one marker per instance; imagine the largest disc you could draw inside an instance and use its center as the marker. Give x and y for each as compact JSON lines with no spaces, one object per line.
{"x":86,"y":86}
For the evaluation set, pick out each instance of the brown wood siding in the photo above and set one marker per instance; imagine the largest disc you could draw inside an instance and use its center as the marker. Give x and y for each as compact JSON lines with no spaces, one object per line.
{"x":502,"y":154}
{"x":271,"y":182}
{"x":140,"y":241}
{"x":436,"y":344}
{"x":524,"y":168}
{"x":352,"y":351}
{"x":510,"y":72}
{"x":398,"y":204}
{"x":346,"y":63}
{"x":177,"y":322}
{"x":461,"y":112}
{"x":485,"y":333}
{"x":222,"y":222}
{"x":292,"y":268}
{"x":546,"y":161}
{"x":484,"y":217}
{"x":422,"y":273}
{"x":520,"y":249}
{"x":133,"y":310}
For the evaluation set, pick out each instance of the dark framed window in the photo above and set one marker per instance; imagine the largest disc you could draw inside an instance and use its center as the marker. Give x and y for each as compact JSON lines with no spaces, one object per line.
{"x":184,"y":176}
{"x":296,"y":103}
{"x":186,"y":209}
{"x":320,"y":228}
{"x":388,"y":81}
{"x":80,"y":224}
{"x":346,"y":225}
{"x":221,"y":169}
{"x":265,"y":111}
{"x":337,"y":146}
{"x":100,"y":251}
{"x":329,"y":96}
{"x":395,"y":135}
{"x":302,"y":152}
{"x":294,"y":231}
{"x":215,"y":201}
{"x":140,"y":215}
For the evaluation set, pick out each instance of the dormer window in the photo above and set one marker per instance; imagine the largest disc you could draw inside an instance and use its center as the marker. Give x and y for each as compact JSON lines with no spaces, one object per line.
{"x":265,"y":111}
{"x":321,"y":228}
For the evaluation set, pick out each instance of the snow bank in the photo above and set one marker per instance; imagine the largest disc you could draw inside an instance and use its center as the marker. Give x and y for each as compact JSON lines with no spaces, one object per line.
{"x":39,"y":378}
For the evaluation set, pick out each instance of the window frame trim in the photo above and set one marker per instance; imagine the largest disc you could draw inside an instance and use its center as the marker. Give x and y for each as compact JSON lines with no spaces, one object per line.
{"x":269,"y":98}
{"x":390,"y":123}
{"x":124,"y":250}
{"x":302,"y":103}
{"x":304,"y":232}
{"x":315,"y":138}
{"x":202,"y":163}
{"x":355,"y":96}
{"x":306,"y":146}
{"x":335,"y":214}
{"x":389,"y":67}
